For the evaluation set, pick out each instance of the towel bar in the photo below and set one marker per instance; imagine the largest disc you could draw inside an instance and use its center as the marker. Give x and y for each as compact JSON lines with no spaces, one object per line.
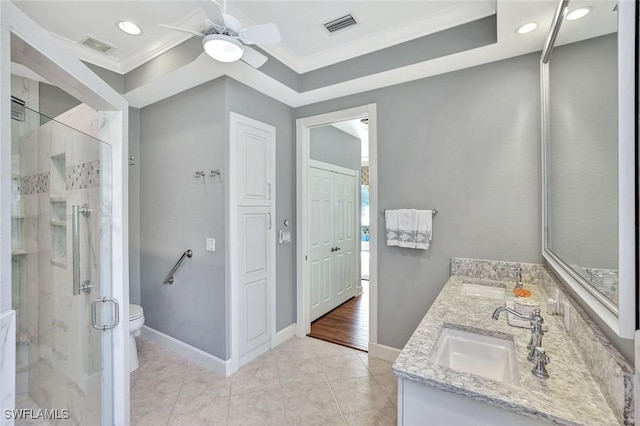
{"x":433,"y":211}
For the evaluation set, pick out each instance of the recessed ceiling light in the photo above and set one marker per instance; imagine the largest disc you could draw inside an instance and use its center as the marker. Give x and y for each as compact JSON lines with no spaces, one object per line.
{"x":527,"y":28}
{"x":129,"y":27}
{"x":578,"y":13}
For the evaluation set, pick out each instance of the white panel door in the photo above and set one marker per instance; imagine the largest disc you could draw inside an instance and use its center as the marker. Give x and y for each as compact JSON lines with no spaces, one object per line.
{"x":344,"y":230}
{"x":253,"y":278}
{"x":321,"y":242}
{"x":254,"y":168}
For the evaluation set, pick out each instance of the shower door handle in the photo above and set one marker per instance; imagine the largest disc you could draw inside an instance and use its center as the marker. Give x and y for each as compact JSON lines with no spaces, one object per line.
{"x":76,"y":211}
{"x":94,"y":313}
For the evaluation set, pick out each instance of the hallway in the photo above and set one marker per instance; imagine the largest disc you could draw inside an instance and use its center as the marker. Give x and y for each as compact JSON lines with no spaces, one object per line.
{"x":348,"y":324}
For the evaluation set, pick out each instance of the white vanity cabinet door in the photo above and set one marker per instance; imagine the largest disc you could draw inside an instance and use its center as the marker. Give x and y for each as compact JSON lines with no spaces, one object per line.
{"x":421,"y":405}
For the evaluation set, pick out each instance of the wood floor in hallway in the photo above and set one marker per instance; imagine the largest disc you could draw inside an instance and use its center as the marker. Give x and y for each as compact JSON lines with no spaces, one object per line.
{"x":346,"y":325}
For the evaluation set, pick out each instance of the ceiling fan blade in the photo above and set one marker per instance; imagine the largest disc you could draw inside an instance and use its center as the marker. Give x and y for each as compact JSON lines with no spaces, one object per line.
{"x":184,"y":30}
{"x":213,"y":11}
{"x":261,"y":34}
{"x":253,"y":57}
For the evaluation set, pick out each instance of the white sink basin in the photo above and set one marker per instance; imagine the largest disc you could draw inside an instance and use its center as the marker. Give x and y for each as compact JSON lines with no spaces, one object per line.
{"x":486,"y":356}
{"x":479,"y":290}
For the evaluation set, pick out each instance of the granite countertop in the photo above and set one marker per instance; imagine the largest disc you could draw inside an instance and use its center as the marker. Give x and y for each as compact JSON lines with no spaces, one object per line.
{"x":569,"y":396}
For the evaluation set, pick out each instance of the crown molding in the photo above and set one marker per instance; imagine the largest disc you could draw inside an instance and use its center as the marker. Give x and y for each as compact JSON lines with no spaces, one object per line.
{"x":457,"y":14}
{"x":193,"y":21}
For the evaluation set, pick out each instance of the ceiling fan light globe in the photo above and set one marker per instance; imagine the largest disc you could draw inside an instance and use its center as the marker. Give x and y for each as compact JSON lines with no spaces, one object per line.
{"x":222,"y":48}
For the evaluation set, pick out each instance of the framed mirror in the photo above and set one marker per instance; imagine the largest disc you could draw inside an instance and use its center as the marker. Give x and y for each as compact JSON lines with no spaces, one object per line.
{"x":588,"y":111}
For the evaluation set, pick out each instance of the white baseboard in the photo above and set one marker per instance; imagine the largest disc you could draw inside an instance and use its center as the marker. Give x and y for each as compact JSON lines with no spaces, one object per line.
{"x":386,"y":353}
{"x":195,"y":355}
{"x":283,"y":335}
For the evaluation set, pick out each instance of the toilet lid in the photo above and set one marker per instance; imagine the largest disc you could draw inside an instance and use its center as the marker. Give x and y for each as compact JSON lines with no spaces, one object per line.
{"x":135,"y":312}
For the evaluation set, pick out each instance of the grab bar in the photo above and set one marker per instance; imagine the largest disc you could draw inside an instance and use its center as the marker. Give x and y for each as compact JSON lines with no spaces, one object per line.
{"x":169,"y":279}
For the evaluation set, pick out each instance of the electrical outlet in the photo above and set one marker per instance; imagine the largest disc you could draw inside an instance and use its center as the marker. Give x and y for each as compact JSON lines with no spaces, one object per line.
{"x":211,"y":244}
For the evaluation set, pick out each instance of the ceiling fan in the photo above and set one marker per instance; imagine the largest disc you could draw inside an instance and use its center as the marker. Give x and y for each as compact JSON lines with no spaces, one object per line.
{"x":225,"y":40}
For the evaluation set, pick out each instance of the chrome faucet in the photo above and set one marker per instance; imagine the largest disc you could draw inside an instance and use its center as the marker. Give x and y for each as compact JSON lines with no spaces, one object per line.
{"x":536,"y":328}
{"x":516,"y":268}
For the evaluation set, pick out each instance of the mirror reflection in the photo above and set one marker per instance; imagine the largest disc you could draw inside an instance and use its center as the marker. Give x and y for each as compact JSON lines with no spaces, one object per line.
{"x":582,"y":155}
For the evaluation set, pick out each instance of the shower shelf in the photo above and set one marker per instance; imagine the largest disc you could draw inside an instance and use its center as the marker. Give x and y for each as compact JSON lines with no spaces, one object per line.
{"x":58,"y":222}
{"x":59,"y":262}
{"x":18,"y":252}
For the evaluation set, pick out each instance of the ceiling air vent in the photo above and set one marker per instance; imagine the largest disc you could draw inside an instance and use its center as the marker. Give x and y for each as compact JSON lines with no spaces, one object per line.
{"x":94,"y":44}
{"x":340,"y":23}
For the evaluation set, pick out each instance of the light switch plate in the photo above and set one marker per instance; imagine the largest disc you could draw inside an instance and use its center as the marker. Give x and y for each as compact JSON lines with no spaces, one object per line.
{"x":284,"y":236}
{"x":211,"y":244}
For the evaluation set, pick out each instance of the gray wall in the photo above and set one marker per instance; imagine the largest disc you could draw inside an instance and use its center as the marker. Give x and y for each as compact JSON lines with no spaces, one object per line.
{"x":331,"y":145}
{"x":251,"y":103}
{"x":584,"y":153}
{"x":55,"y":101}
{"x":134,"y":207}
{"x":178,"y":136}
{"x":468,"y":144}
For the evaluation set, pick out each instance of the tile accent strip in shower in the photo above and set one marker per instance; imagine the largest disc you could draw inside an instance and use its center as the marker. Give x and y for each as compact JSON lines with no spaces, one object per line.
{"x":34,"y":184}
{"x":84,"y":175}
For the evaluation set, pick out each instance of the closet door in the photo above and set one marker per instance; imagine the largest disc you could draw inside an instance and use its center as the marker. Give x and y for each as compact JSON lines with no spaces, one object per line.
{"x":321,"y":242}
{"x":344,"y":231}
{"x":254,"y":165}
{"x":253,"y":278}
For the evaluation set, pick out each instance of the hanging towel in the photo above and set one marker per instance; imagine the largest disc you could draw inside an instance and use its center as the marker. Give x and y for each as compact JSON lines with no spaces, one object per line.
{"x":424,"y":229}
{"x":391,"y":221}
{"x":408,"y":226}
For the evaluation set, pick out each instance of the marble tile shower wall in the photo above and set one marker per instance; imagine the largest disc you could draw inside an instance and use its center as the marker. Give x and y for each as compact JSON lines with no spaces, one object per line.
{"x":59,"y":168}
{"x":611,"y":371}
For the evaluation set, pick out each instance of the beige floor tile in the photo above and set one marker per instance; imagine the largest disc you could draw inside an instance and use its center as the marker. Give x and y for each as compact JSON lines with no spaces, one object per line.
{"x":300,"y":372}
{"x":154,"y":396}
{"x":200,"y":412}
{"x":342,"y":367}
{"x":147,"y":379}
{"x":389,"y":385}
{"x":255,"y":378}
{"x":376,"y":366}
{"x":324,"y":349}
{"x":308,"y":402}
{"x":360,"y":394}
{"x":384,"y":416}
{"x":261,"y":408}
{"x":200,"y":383}
{"x":324,"y":421}
{"x":150,"y":416}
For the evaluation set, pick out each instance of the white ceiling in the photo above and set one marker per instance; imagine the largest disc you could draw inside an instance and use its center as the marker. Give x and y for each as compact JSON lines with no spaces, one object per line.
{"x":510,"y":15}
{"x":305,"y":45}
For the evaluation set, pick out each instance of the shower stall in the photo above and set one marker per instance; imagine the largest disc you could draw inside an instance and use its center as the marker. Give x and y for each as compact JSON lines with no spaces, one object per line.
{"x":60,"y":263}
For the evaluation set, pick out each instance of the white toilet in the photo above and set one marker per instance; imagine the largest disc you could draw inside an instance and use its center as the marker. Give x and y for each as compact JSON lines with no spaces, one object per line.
{"x":136,"y":321}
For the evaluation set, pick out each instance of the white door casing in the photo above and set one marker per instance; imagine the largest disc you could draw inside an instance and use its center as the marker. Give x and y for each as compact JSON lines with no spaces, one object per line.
{"x":251,"y":238}
{"x":332,"y":237}
{"x":303,"y":127}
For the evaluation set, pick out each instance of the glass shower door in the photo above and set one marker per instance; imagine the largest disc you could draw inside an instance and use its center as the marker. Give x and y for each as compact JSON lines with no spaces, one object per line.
{"x":61,"y":248}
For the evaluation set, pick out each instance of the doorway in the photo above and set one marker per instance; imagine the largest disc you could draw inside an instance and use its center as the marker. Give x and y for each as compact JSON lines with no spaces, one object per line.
{"x":335,"y":303}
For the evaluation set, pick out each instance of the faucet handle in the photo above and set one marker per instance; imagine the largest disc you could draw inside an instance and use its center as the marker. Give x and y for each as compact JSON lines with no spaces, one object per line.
{"x":541,"y":360}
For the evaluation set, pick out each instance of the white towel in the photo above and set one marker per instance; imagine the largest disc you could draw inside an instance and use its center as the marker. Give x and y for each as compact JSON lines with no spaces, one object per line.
{"x":408,"y":226}
{"x":424,"y":229}
{"x":391,"y":223}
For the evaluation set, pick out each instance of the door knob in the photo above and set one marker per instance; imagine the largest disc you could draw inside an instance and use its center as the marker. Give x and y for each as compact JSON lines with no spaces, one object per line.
{"x":338,"y":248}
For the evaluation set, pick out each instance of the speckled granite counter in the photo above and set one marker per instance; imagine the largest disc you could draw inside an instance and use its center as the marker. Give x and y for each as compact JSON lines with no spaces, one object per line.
{"x":569,"y":397}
